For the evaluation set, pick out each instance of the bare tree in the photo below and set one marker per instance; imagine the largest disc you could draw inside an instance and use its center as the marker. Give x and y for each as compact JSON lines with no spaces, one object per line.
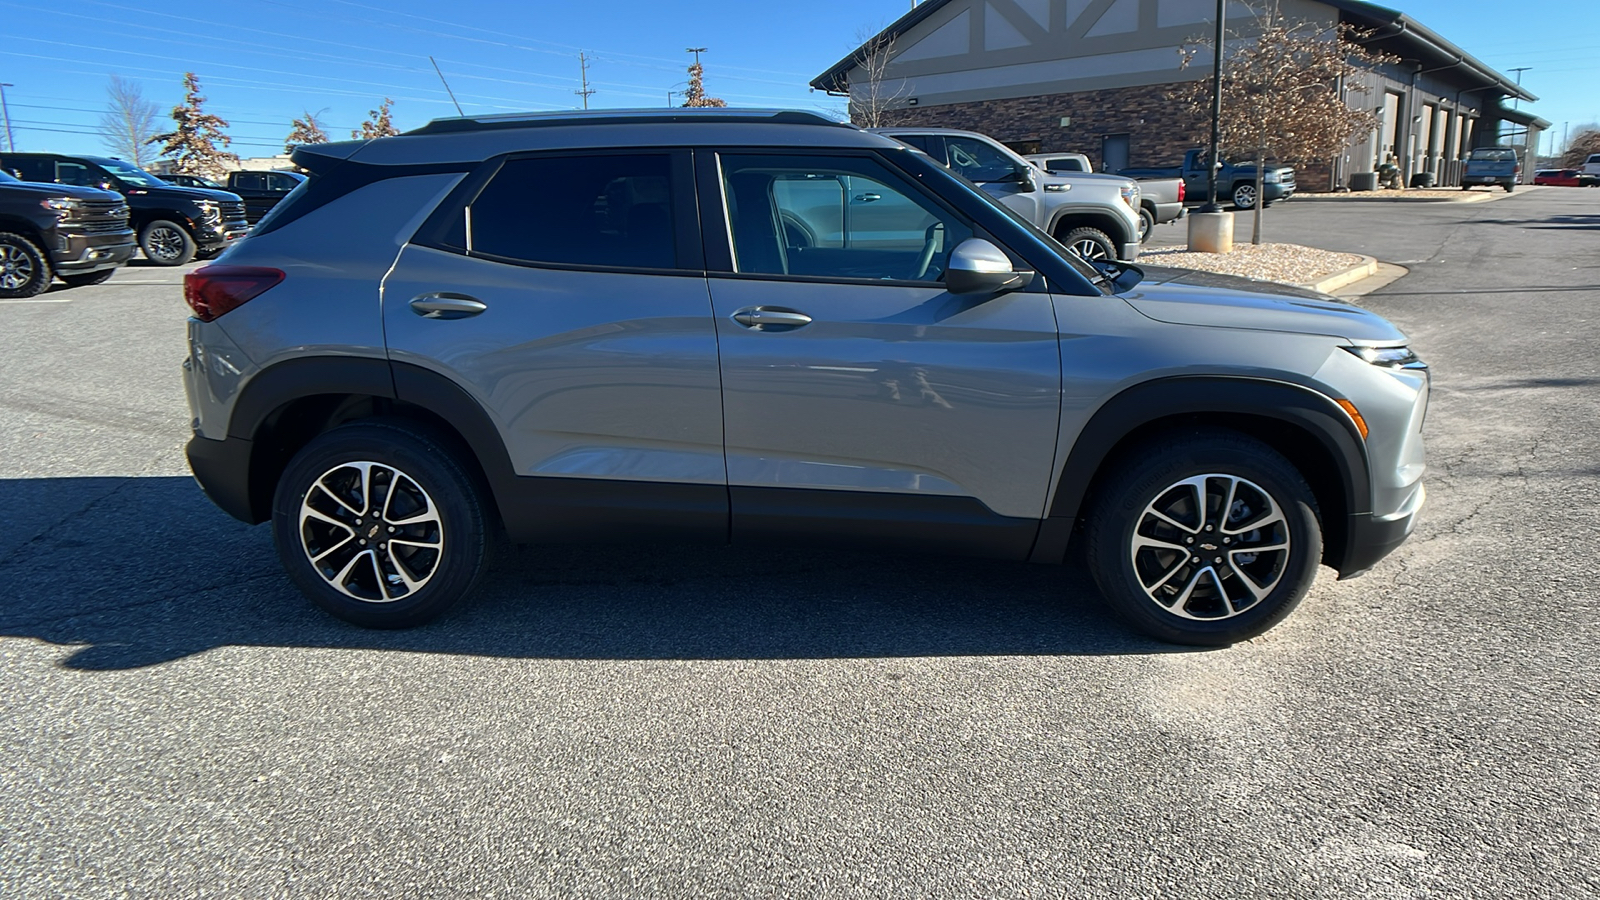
{"x":1284,"y":91}
{"x":304,"y":131}
{"x":196,"y":143}
{"x":1582,"y":145}
{"x":378,"y":124}
{"x":870,"y":92}
{"x":695,"y":95}
{"x":128,"y":122}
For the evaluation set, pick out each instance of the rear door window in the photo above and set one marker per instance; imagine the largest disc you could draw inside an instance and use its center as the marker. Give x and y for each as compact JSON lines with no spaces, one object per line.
{"x":609,"y":210}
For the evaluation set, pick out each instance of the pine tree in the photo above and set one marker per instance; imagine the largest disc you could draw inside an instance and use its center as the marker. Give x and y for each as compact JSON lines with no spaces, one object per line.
{"x":304,"y":131}
{"x":195,"y":145}
{"x":378,"y":123}
{"x":696,"y":94}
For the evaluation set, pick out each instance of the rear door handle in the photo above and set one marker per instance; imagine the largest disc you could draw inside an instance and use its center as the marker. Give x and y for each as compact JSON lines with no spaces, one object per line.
{"x":771,"y":318}
{"x":447,"y":306}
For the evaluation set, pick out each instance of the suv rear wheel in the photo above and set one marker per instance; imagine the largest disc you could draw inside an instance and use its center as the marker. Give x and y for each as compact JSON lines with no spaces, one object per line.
{"x":378,"y":525}
{"x":24,"y":269}
{"x":1205,"y":540}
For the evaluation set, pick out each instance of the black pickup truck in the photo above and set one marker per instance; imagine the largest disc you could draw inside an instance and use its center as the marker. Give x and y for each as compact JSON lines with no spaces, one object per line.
{"x":1235,"y":181}
{"x":80,"y":235}
{"x":262,"y":190}
{"x":174,"y":224}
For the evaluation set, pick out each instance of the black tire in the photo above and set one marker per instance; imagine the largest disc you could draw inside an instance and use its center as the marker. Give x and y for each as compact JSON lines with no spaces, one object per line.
{"x":166,"y":243}
{"x":1089,"y":243}
{"x":1509,"y":186}
{"x":1147,"y":224}
{"x":1218,"y":608}
{"x":374,"y":591}
{"x":24,"y":268}
{"x":1244,"y":196}
{"x":86,"y":279}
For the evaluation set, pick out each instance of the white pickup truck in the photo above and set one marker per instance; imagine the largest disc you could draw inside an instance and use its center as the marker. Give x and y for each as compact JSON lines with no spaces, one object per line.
{"x":1093,"y":216}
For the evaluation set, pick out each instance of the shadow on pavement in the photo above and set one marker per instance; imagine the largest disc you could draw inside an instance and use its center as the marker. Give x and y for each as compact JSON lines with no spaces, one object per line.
{"x":139,"y":571}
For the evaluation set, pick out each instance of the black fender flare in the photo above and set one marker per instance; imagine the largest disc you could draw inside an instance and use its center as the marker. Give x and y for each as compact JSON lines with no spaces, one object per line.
{"x":1143,"y":404}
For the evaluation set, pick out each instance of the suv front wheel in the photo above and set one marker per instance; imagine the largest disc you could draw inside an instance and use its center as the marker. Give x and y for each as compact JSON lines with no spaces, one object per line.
{"x":1205,"y":540}
{"x":377,"y":524}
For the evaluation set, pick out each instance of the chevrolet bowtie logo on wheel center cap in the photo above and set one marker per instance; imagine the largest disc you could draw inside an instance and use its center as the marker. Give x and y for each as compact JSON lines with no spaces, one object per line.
{"x":1208,"y":547}
{"x":374,"y":531}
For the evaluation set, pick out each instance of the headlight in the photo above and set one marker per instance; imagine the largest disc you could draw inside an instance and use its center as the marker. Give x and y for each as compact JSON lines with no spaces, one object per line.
{"x":1270,"y":178}
{"x":61,"y":206}
{"x":1389,"y":357}
{"x":1130,"y":196}
{"x":209,"y":209}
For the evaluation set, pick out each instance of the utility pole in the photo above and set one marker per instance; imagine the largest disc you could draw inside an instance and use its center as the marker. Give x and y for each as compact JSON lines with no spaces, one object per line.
{"x":11,"y":144}
{"x":583,"y":70}
{"x":696,"y":51}
{"x":1216,"y":113}
{"x":1519,"y":70}
{"x":446,"y":86}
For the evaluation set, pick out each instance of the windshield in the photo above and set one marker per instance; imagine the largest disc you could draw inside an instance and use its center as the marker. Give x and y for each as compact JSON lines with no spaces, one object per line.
{"x":131,"y":175}
{"x":1494,"y":155}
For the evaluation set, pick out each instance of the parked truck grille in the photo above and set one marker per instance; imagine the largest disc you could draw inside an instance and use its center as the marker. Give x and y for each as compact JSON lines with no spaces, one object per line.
{"x":232,"y":211}
{"x":93,"y":217}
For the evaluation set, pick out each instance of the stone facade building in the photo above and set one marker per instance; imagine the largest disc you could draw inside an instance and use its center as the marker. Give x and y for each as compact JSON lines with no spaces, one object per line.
{"x":1101,"y":77}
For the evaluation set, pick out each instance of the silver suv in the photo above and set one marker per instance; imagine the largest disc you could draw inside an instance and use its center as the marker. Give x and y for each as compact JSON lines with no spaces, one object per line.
{"x":752,"y":326}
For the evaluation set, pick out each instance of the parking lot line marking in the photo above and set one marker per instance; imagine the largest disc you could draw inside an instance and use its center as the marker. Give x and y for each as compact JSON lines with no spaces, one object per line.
{"x":41,"y":300}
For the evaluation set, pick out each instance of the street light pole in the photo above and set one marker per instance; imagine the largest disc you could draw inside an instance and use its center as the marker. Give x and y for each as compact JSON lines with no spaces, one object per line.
{"x":1216,"y":113}
{"x":11,"y":144}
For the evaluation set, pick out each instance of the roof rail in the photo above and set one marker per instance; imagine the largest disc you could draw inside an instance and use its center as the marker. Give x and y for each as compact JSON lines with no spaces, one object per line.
{"x":626,"y":117}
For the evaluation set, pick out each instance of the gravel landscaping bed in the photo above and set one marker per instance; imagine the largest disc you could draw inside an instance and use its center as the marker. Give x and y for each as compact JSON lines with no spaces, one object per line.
{"x":1287,"y":263}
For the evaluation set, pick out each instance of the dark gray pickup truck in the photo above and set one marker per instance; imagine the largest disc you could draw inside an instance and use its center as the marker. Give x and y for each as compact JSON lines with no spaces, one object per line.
{"x":1235,"y":181}
{"x":48,"y":231}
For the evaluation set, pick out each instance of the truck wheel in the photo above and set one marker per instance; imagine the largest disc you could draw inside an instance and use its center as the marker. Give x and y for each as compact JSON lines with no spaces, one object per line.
{"x":24,"y":269}
{"x":87,"y":278}
{"x":1147,"y":224}
{"x":379,"y":524}
{"x":1244,"y":196}
{"x":1206,"y":539}
{"x":1089,"y":244}
{"x":166,"y":243}
{"x":1509,"y":186}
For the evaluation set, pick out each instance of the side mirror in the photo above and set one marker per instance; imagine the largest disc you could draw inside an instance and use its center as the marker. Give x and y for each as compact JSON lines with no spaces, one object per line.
{"x":1027,"y":179}
{"x":977,"y":266}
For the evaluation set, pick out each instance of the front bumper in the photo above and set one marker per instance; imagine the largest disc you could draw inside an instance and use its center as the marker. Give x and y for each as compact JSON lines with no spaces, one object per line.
{"x":78,"y":253}
{"x":1130,"y":252}
{"x":1370,"y":538}
{"x":1272,"y":192}
{"x":209,"y":237}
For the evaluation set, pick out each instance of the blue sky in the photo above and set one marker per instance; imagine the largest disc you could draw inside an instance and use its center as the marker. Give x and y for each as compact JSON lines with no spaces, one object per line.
{"x":263,"y":62}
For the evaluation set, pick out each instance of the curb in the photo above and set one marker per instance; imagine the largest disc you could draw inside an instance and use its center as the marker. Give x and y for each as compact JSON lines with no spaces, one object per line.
{"x":1459,"y":196}
{"x":1366,"y":268}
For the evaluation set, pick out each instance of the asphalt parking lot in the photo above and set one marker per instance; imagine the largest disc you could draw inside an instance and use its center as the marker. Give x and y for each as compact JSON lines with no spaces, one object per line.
{"x":627,"y":722}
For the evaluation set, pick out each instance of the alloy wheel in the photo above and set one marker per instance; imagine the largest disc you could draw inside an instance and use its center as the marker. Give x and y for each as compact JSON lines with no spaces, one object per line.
{"x":371,"y":532}
{"x":1210,"y":547}
{"x":1089,"y":249}
{"x":1244,"y":196}
{"x":16,"y":268}
{"x":166,"y":243}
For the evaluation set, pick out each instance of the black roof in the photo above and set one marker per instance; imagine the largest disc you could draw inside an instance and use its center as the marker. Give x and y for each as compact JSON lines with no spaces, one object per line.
{"x":625,"y":117}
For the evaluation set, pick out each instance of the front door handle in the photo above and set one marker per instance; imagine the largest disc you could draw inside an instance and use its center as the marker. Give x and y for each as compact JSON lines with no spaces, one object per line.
{"x":447,"y":306}
{"x":771,"y":318}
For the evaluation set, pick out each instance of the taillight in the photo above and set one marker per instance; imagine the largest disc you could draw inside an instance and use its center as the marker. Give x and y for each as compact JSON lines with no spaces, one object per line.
{"x":214,"y":290}
{"x":1183,"y":191}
